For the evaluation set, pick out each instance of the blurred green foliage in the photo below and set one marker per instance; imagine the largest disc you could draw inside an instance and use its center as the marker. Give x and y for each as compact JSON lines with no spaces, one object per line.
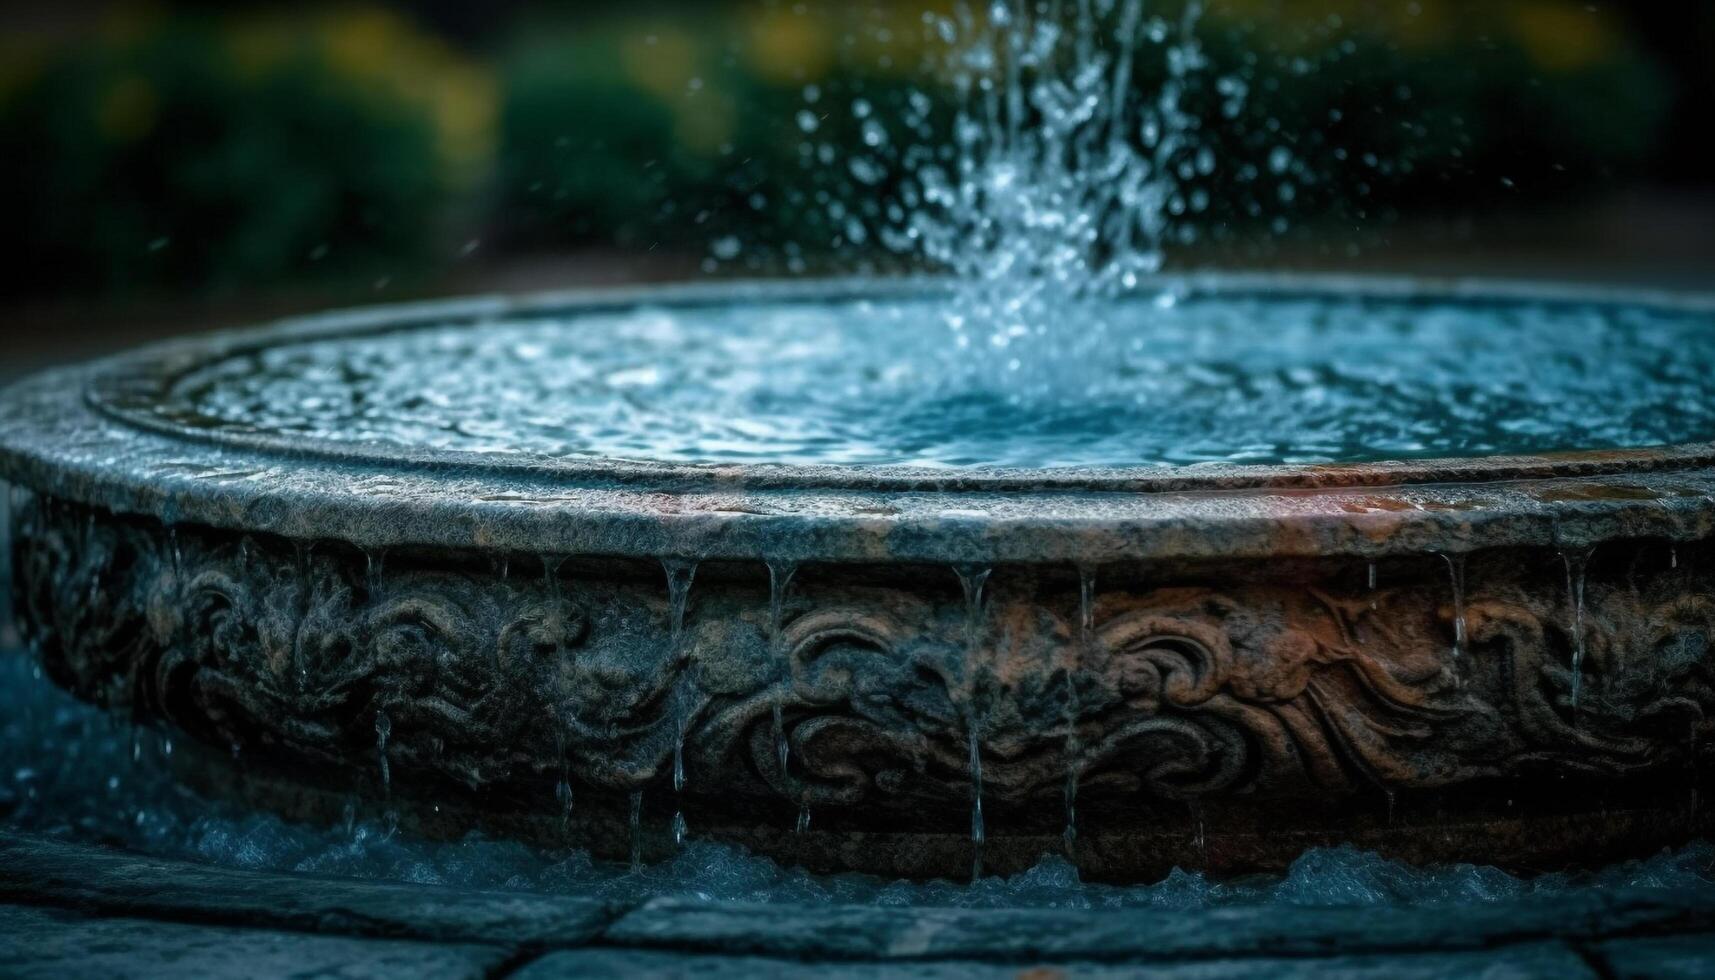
{"x":199,"y":153}
{"x":666,"y":134}
{"x":221,"y":150}
{"x":1347,"y":120}
{"x":604,"y":137}
{"x":680,"y":132}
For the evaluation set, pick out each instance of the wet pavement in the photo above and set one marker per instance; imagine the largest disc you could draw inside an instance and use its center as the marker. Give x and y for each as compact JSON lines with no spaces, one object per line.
{"x":71,"y":910}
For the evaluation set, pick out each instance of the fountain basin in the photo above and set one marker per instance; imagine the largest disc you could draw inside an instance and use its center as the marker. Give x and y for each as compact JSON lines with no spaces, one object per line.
{"x":1500,"y":659}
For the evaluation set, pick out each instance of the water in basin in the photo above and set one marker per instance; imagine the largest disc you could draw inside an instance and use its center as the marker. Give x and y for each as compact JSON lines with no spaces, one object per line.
{"x":1150,"y":381}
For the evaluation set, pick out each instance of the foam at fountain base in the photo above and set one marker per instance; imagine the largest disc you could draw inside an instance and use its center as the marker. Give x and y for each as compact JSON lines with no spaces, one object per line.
{"x":69,"y":770}
{"x":1215,"y":378}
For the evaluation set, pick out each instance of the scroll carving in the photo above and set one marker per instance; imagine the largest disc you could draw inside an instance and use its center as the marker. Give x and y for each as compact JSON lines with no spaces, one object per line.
{"x":1261,"y":689}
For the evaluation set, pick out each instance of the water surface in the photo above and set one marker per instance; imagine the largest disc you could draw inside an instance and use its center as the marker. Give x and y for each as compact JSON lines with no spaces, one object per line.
{"x":1140,"y":382}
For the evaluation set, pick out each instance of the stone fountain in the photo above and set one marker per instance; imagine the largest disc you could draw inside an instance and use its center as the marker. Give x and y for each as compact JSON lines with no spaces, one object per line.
{"x":899,"y":669}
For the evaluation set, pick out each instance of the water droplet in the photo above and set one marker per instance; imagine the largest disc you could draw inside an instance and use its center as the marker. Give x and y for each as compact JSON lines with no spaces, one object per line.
{"x":563,"y":796}
{"x":383,"y":730}
{"x":679,"y":760}
{"x":551,"y":568}
{"x":972,"y":579}
{"x":780,"y":575}
{"x":175,"y":551}
{"x":1085,"y":647}
{"x":680,"y":574}
{"x":1456,"y":574}
{"x":8,"y":513}
{"x":373,"y":564}
{"x":636,"y":831}
{"x":979,"y":833}
{"x":1576,"y":563}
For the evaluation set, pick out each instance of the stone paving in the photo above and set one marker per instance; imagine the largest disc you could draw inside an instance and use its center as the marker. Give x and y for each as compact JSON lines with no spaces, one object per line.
{"x":70,"y":910}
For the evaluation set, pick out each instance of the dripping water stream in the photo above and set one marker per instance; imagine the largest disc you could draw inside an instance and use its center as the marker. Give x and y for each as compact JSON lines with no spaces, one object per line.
{"x":383,"y":731}
{"x":1084,"y":648}
{"x":374,"y":566}
{"x":94,"y":554}
{"x":1456,"y":576}
{"x":680,"y":574}
{"x":972,"y":579}
{"x":1575,"y":564}
{"x":635,"y":821}
{"x":552,"y":566}
{"x":780,"y":575}
{"x":565,"y":799}
{"x":8,"y":622}
{"x":304,"y":556}
{"x":178,"y":555}
{"x":563,"y":796}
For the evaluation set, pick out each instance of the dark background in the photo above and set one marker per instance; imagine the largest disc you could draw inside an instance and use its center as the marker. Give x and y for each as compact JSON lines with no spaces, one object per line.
{"x":170,"y":166}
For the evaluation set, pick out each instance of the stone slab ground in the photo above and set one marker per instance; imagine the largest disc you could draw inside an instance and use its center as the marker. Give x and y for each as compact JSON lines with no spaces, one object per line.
{"x":70,"y":910}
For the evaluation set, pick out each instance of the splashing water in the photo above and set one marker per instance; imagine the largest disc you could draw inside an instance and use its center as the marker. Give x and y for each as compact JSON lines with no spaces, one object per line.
{"x":1057,"y":178}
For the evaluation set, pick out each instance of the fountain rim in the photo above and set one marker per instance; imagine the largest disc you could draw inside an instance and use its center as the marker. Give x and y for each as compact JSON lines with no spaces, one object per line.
{"x":79,"y":433}
{"x":145,"y":371}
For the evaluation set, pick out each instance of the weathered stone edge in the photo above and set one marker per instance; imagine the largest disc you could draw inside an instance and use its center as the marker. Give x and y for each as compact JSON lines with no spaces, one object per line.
{"x":51,"y":443}
{"x":59,"y":437}
{"x":43,"y":872}
{"x":35,"y":870}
